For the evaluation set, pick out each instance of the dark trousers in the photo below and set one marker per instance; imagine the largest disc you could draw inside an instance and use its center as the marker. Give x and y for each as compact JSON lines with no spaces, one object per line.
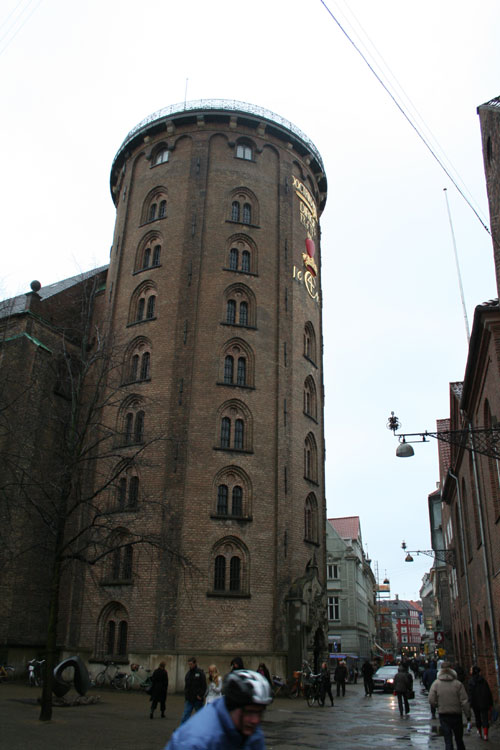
{"x":368,"y":683}
{"x":451,"y":724}
{"x":481,"y":717}
{"x":402,"y":697}
{"x":340,"y":684}
{"x":326,"y":690}
{"x":154,"y":703}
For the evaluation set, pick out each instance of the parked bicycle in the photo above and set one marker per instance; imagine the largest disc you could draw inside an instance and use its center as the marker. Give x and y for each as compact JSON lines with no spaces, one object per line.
{"x":35,"y":672}
{"x":314,"y":694}
{"x":135,"y":680}
{"x":112,"y":676}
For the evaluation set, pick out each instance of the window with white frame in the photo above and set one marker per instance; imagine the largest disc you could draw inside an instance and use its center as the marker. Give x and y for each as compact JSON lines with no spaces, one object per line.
{"x":333,"y":571}
{"x":333,"y":608}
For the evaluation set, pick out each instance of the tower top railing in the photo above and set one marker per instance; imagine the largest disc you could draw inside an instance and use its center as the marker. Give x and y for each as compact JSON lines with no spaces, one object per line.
{"x":231,"y":105}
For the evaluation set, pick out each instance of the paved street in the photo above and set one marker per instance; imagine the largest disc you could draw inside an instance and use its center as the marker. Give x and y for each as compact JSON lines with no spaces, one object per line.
{"x":121,"y":721}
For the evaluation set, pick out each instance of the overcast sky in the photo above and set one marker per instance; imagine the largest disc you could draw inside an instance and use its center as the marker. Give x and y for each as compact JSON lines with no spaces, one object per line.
{"x":77,"y":76}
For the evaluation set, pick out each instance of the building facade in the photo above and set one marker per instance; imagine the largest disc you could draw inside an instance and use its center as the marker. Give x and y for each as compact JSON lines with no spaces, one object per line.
{"x":407,"y":620}
{"x":213,"y":296}
{"x":350,"y":591}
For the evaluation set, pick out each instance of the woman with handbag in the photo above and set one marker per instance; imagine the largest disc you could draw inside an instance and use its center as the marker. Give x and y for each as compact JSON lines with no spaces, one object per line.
{"x":159,"y":687}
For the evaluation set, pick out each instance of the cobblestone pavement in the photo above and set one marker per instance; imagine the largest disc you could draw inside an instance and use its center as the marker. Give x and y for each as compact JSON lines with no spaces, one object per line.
{"x":120,"y":721}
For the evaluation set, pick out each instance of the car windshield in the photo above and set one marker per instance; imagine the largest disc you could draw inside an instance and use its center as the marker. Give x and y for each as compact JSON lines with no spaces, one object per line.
{"x":386,"y":671}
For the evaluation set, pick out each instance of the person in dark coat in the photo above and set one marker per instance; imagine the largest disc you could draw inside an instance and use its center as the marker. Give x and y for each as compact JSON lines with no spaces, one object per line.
{"x":195,"y":687}
{"x":481,"y":700}
{"x":367,"y":672}
{"x":403,"y":684}
{"x":340,"y":677}
{"x":326,"y":683}
{"x":159,"y":687}
{"x":237,"y":663}
{"x":428,"y":678}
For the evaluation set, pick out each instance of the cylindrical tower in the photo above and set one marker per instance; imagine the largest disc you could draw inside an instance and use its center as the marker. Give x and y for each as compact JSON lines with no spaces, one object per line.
{"x":214,"y":287}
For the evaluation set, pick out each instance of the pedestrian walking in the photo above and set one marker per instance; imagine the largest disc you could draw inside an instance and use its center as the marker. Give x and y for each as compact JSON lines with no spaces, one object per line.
{"x":403,"y":685}
{"x":214,"y":685}
{"x":367,"y":672}
{"x":232,"y":722}
{"x":428,"y":677}
{"x":159,"y":688}
{"x":481,"y":700}
{"x":195,"y":687}
{"x":448,"y":695}
{"x":340,"y":677}
{"x":237,"y":663}
{"x":326,"y":683}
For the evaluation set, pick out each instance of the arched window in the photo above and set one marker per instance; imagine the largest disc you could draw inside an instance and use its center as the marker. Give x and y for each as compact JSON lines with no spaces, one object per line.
{"x":233,"y":259}
{"x":235,"y":423}
{"x":244,"y":151}
{"x":129,"y":427}
{"x":241,"y":377}
{"x":146,"y":358}
{"x":150,"y":312}
{"x":220,"y":573}
{"x":243,"y":321}
{"x":233,"y":491}
{"x":122,"y":493}
{"x":231,"y":311}
{"x":162,"y":210}
{"x":310,"y":458}
{"x":311,"y":519}
{"x":161,"y":156}
{"x":147,"y":257}
{"x":247,"y":213}
{"x":225,"y":433}
{"x":239,"y":433}
{"x":237,"y":501}
{"x":228,"y":369}
{"x":140,"y":308}
{"x":234,"y":574}
{"x":155,"y":205}
{"x":152,"y":211}
{"x":127,"y":492}
{"x":134,"y":369}
{"x":245,"y":261}
{"x":309,"y":342}
{"x":230,"y":567}
{"x":156,"y":255}
{"x":133,"y":421}
{"x":121,"y":562}
{"x":133,"y":492}
{"x":110,"y":637}
{"x":139,"y":361}
{"x":310,"y":405}
{"x":139,"y":427}
{"x":235,"y":211}
{"x":122,"y":638}
{"x":112,"y":632}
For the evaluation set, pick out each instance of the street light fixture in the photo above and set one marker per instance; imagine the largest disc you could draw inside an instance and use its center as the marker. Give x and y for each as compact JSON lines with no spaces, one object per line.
{"x":442,"y":555}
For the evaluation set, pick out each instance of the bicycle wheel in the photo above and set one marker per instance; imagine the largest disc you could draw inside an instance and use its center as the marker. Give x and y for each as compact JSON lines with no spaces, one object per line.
{"x":311,"y":698}
{"x":100,"y":679}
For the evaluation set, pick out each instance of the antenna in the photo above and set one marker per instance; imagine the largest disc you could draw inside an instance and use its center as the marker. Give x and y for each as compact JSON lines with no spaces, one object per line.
{"x":458,"y":267}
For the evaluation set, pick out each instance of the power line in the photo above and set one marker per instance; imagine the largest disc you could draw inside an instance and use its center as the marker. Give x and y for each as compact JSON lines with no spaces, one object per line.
{"x":18,"y":21}
{"x":407,"y":117}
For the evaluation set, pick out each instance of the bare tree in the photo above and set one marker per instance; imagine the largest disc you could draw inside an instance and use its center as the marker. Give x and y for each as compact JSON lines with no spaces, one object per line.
{"x":66,"y":442}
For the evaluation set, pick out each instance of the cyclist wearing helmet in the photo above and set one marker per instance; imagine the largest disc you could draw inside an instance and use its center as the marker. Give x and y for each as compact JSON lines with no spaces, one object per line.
{"x":232,"y":722}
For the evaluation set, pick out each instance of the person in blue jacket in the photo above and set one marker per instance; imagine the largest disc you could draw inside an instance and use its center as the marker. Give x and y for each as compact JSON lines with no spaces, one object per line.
{"x":232,"y":722}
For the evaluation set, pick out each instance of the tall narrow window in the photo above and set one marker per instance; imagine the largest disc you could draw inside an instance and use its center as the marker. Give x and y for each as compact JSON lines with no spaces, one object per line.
{"x":116,"y":564}
{"x":220,"y":573}
{"x":145,"y":362}
{"x":122,"y":638}
{"x":233,"y":259}
{"x":122,"y":493}
{"x":231,"y":311}
{"x":239,"y":428}
{"x":127,"y":554}
{"x":244,"y":152}
{"x":243,"y":313}
{"x":150,"y":313}
{"x":134,"y":368}
{"x":241,"y":377}
{"x":237,"y":504}
{"x":245,"y":261}
{"x":162,"y":211}
{"x":235,"y":211}
{"x":222,"y":499}
{"x":129,"y":423}
{"x":139,"y":427}
{"x":156,"y":255}
{"x":140,"y":308}
{"x":152,"y":212}
{"x":228,"y":369}
{"x":225,"y":432}
{"x":234,"y":574}
{"x":247,"y":213}
{"x":110,"y":637}
{"x":133,"y":492}
{"x":147,"y":257}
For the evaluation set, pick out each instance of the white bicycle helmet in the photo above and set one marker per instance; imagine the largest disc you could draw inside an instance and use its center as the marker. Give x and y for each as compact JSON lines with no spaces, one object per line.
{"x":243,"y":687}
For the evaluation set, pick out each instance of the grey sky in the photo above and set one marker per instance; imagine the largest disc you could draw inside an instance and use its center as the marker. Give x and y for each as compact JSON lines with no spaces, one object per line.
{"x":78,"y":76}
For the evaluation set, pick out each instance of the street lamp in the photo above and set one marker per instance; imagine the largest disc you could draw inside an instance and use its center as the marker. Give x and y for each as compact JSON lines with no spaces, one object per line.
{"x":446,"y":556}
{"x":485,"y":441}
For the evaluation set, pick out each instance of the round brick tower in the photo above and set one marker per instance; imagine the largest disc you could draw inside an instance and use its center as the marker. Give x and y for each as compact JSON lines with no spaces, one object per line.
{"x":214,"y":289}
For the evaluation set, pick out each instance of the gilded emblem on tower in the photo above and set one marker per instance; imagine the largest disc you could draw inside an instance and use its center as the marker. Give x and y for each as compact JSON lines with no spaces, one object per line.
{"x":309,"y":219}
